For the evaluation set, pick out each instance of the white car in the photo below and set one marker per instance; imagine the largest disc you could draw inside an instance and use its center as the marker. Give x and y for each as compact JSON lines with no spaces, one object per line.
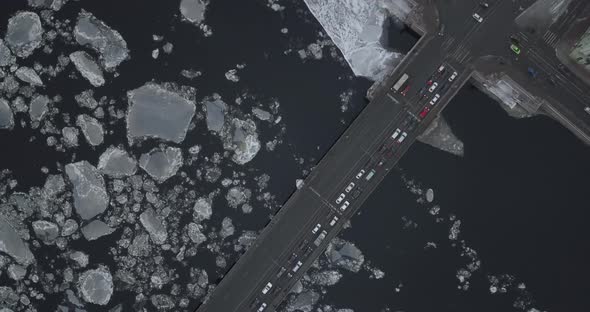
{"x":477,"y":17}
{"x":262,"y":307}
{"x":396,"y":133}
{"x":349,"y":187}
{"x":433,"y":87}
{"x":316,"y":228}
{"x":402,"y":137}
{"x":334,"y":220}
{"x":266,"y":288}
{"x":441,"y":68}
{"x":453,"y":76}
{"x":434,"y":99}
{"x":297,"y":266}
{"x":340,"y":198}
{"x":360,"y":174}
{"x":587,"y":109}
{"x":344,"y":206}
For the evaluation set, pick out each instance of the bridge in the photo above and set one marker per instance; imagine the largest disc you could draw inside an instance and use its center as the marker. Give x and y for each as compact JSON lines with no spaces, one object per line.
{"x":383,"y":132}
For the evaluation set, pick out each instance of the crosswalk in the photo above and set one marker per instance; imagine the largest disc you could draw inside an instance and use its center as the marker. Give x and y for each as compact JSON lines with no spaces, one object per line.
{"x":550,"y":38}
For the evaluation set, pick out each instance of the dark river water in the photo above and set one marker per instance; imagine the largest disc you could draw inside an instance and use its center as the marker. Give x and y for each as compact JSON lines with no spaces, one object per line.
{"x":519,"y":191}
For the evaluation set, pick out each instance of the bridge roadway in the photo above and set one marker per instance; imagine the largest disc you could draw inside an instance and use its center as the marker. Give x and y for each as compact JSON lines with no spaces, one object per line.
{"x":365,"y":146}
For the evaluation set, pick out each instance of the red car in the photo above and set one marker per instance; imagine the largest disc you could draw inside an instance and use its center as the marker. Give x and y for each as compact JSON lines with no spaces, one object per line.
{"x":405,"y":91}
{"x":424,"y":112}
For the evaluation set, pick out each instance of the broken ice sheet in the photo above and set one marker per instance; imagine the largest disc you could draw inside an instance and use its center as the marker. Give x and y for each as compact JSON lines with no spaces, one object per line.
{"x":6,"y":117}
{"x":24,"y":33}
{"x":88,"y":68}
{"x":90,"y":195}
{"x":215,"y":114}
{"x":159,"y":113}
{"x":161,"y":164}
{"x":108,"y":42}
{"x":38,"y":108}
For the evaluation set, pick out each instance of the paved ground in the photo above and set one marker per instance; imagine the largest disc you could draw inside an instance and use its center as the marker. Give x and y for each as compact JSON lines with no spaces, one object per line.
{"x":290,"y":239}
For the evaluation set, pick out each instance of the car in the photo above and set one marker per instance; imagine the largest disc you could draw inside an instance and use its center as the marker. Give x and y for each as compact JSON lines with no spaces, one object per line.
{"x":421,"y":91}
{"x":441,"y":69}
{"x":297,"y":266}
{"x":370,"y":174}
{"x":360,"y":174}
{"x":429,"y":82}
{"x":281,"y":272}
{"x":266,"y":288}
{"x":262,"y":307}
{"x":334,"y":220}
{"x":587,"y":109}
{"x":402,"y":137}
{"x":477,"y":17}
{"x":405,"y":90}
{"x":424,"y":112}
{"x":434,"y":99}
{"x":515,"y":49}
{"x":433,"y":87}
{"x":484,"y":5}
{"x":316,"y":228}
{"x":396,"y":133}
{"x":349,"y":187}
{"x":340,"y":198}
{"x":320,"y":238}
{"x":344,"y":206}
{"x":453,"y":76}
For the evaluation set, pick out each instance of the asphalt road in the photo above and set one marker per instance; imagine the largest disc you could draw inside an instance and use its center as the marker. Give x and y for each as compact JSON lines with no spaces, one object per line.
{"x":301,"y":230}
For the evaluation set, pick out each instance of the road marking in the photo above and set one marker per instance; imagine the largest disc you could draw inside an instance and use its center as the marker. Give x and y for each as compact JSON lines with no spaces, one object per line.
{"x":566,"y":120}
{"x":391,"y":97}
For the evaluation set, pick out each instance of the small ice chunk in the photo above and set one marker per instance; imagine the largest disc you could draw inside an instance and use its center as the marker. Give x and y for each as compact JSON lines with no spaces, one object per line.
{"x":54,"y":185}
{"x":237,"y":195}
{"x":96,"y":286}
{"x":6,"y":117}
{"x":261,"y":114}
{"x":108,"y":42}
{"x":203,"y":209}
{"x":90,"y":195}
{"x":227,"y":228}
{"x":117,"y":163}
{"x":215,"y":114}
{"x":429,"y":195}
{"x":195,"y":234}
{"x":38,"y":107}
{"x":24,"y":33}
{"x":80,"y":258}
{"x":70,"y":135}
{"x":161,"y":164}
{"x":69,"y":227}
{"x":16,"y":272}
{"x":232,"y":75}
{"x":157,"y":112}
{"x":88,"y":68}
{"x":325,"y":278}
{"x":91,"y":128}
{"x":167,"y":48}
{"x":13,"y":245}
{"x":96,"y":229}
{"x":155,"y":53}
{"x":55,"y":5}
{"x":45,"y":230}
{"x":193,"y":10}
{"x":29,"y":75}
{"x":243,"y":140}
{"x":6,"y":57}
{"x":154,"y":226}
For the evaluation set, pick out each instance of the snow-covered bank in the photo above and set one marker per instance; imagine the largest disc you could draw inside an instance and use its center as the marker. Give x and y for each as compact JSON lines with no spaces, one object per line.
{"x":359,"y":29}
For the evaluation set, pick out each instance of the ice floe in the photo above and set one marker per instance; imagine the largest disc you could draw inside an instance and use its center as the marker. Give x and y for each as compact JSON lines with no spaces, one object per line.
{"x":193,"y":10}
{"x":202,"y":209}
{"x":108,"y":42}
{"x":24,"y":33}
{"x":88,"y":68}
{"x":215,"y":109}
{"x":45,"y":230}
{"x":6,"y":57}
{"x":38,"y":108}
{"x":153,"y":226}
{"x":95,"y":230}
{"x":241,"y":137}
{"x":117,"y":163}
{"x":28,"y":75}
{"x":90,"y":196}
{"x":159,"y":113}
{"x":96,"y":285}
{"x":91,"y":128}
{"x":13,"y":245}
{"x":161,"y":164}
{"x":6,"y":117}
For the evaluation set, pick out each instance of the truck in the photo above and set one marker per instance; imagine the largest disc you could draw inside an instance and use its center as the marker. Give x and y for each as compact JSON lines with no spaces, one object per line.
{"x":400,"y":82}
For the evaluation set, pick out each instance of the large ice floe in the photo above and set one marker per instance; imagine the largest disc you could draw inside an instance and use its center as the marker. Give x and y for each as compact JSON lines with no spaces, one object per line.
{"x":24,"y":33}
{"x":359,"y":30}
{"x":108,"y":42}
{"x":161,"y":164}
{"x":158,"y":113}
{"x":13,"y":245}
{"x":90,"y":195}
{"x":117,"y":163}
{"x":6,"y":117}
